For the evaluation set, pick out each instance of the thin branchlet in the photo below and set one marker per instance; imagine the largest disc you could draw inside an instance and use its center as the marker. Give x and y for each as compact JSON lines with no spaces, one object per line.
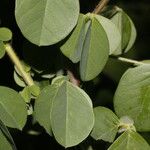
{"x":100,"y":6}
{"x":16,"y":61}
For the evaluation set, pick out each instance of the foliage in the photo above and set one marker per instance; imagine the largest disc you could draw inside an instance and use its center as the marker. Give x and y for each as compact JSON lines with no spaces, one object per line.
{"x":54,"y":95}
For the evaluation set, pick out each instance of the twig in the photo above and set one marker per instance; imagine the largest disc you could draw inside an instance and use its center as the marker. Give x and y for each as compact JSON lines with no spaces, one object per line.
{"x":11,"y":53}
{"x":130,"y":61}
{"x":100,"y":6}
{"x":72,"y":78}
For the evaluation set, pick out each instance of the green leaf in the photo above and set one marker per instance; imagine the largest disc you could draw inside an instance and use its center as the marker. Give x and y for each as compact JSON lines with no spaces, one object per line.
{"x":7,"y":140}
{"x":72,"y":116}
{"x":72,"y":48}
{"x":130,"y":140}
{"x":106,"y":124}
{"x":132,"y":97}
{"x":30,"y":92}
{"x":34,"y":89}
{"x":65,"y":110}
{"x":132,"y":36}
{"x":4,"y":144}
{"x":18,"y":79}
{"x":2,"y":49}
{"x":122,"y":22}
{"x":95,"y":50}
{"x":43,"y":107}
{"x":5,"y":34}
{"x":112,"y":32}
{"x":127,"y":30}
{"x":46,"y":22}
{"x":42,"y":84}
{"x":13,"y":112}
{"x":26,"y":68}
{"x":17,"y":75}
{"x":26,"y":94}
{"x":59,"y":79}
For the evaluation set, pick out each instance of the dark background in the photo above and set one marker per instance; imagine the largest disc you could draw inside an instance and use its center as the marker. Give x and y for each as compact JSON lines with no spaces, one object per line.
{"x":101,"y":90}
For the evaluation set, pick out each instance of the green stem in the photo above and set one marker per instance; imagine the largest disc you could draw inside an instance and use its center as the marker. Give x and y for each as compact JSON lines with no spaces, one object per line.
{"x":11,"y":53}
{"x":130,"y":61}
{"x":100,"y":6}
